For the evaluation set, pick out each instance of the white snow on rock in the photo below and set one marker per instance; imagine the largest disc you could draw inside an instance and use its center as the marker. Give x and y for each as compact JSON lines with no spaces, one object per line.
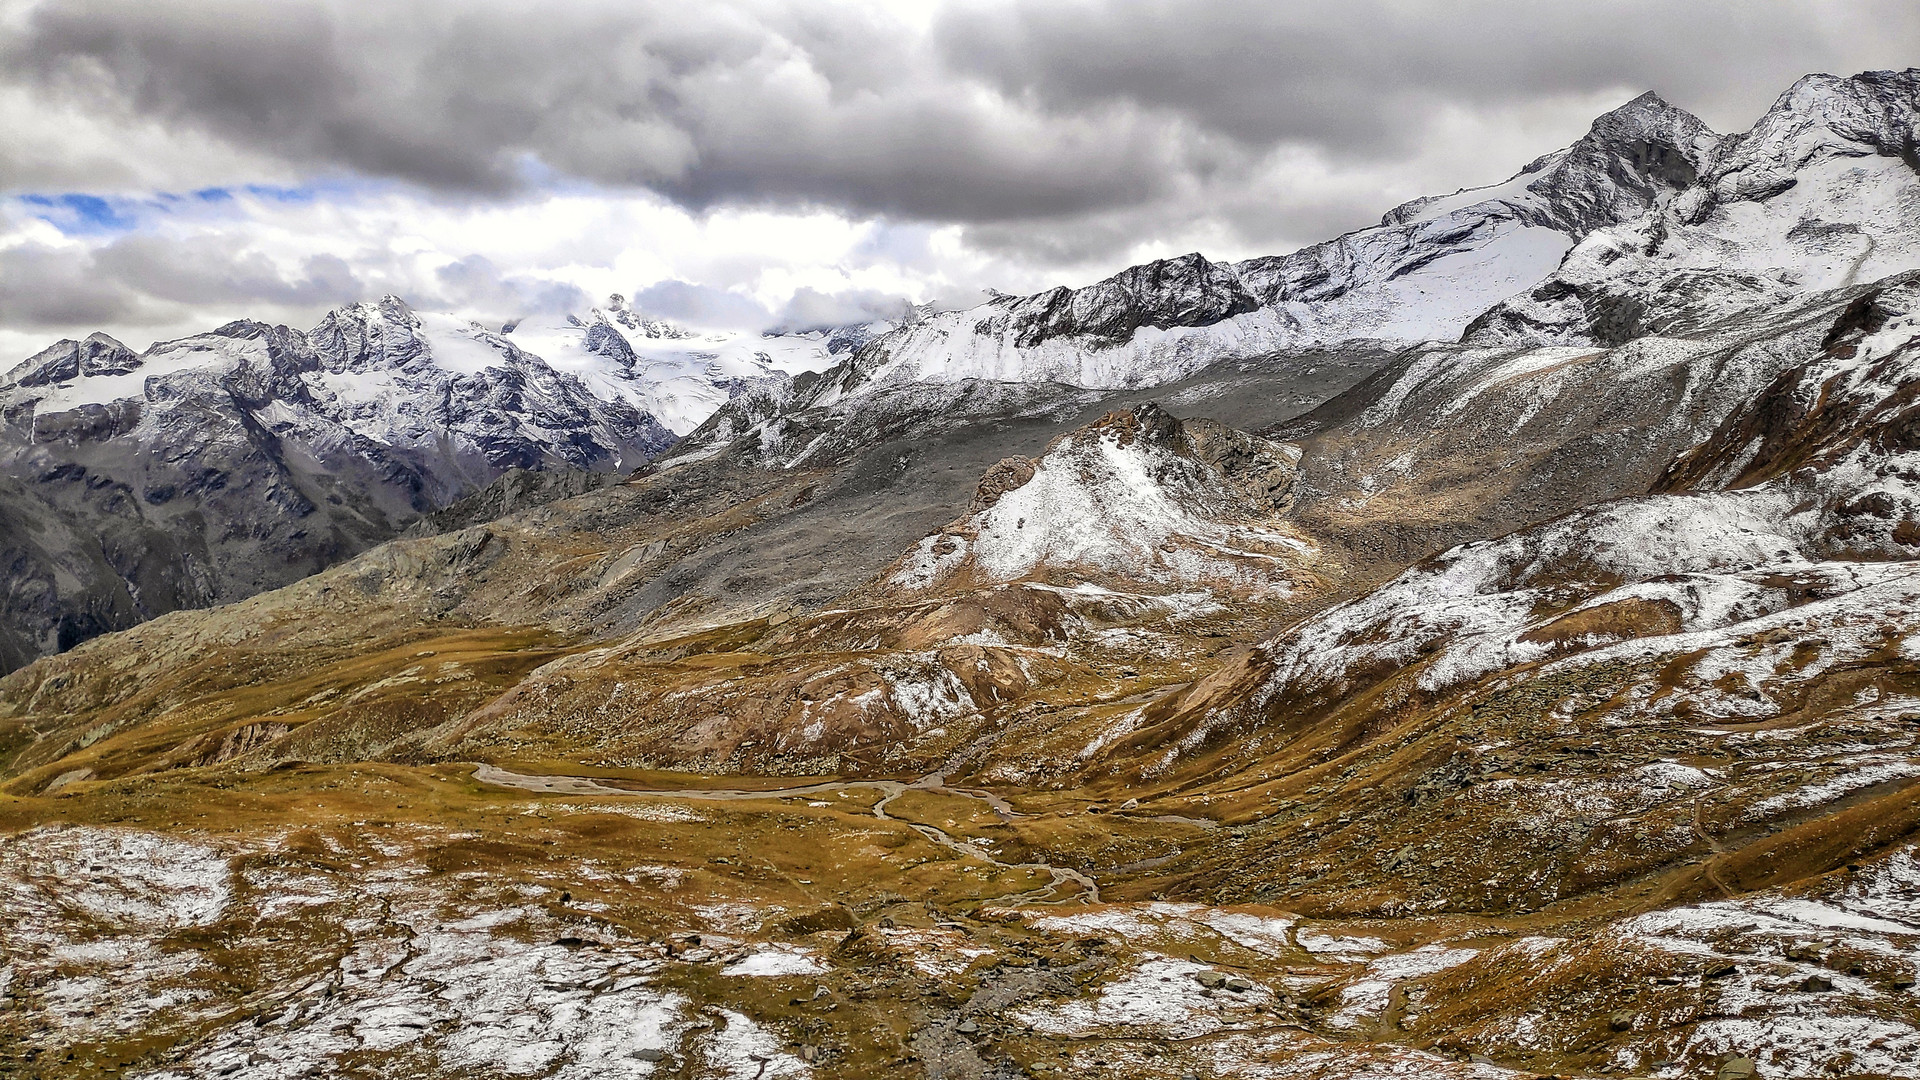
{"x":1367,"y":997}
{"x":1120,"y":498}
{"x":1321,"y":943}
{"x":89,"y":911}
{"x":1166,"y":925}
{"x":743,"y":1050}
{"x":776,"y":963}
{"x":678,"y":376}
{"x":121,"y":879}
{"x":1159,"y":996}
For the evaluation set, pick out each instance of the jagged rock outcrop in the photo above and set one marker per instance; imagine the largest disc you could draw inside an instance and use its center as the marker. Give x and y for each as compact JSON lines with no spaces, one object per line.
{"x":1137,"y":496}
{"x":99,"y":354}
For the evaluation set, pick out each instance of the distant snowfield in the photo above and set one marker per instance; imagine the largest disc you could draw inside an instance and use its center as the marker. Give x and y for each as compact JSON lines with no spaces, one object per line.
{"x":680,"y":377}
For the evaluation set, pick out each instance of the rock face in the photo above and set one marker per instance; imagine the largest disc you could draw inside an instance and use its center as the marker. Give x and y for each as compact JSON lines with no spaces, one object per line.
{"x":65,"y":360}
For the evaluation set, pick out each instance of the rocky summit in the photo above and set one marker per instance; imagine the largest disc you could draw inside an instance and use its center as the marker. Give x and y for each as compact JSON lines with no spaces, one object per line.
{"x":1483,"y":645}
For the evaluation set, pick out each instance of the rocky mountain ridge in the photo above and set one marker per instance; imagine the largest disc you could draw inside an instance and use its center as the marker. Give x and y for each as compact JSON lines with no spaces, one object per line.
{"x":1624,"y":783}
{"x":1534,"y":259}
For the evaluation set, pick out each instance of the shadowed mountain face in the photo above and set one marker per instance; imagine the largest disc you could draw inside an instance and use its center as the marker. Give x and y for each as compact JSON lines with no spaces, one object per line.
{"x":1539,"y":700}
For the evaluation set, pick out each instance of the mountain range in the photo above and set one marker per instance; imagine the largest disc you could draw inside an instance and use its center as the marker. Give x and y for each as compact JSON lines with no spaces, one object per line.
{"x":204,"y":470}
{"x":1483,"y":645}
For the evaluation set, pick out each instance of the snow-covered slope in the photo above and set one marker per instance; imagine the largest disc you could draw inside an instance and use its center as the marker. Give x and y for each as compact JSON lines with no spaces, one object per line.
{"x":1823,"y":192}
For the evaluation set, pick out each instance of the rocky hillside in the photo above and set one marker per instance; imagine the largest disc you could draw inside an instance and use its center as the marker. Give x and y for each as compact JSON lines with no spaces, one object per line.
{"x":1646,"y":759}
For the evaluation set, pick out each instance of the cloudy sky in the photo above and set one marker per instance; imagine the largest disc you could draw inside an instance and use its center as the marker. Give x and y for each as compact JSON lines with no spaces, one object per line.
{"x":172,"y":164}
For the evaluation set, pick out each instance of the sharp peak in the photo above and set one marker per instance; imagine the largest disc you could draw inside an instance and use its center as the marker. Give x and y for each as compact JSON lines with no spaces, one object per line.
{"x":388,"y":306}
{"x":1643,"y":110}
{"x":1875,"y":77}
{"x":244,"y":329}
{"x":1190,"y":258}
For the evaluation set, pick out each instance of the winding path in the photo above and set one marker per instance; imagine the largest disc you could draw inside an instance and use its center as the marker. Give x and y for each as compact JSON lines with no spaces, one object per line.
{"x":1089,"y":890}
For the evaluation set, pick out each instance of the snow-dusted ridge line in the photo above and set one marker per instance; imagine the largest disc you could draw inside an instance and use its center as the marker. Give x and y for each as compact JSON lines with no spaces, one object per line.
{"x":1820,"y":193}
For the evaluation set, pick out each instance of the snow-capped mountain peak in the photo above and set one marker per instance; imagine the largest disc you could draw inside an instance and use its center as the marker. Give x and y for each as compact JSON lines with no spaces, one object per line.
{"x":1822,"y":192}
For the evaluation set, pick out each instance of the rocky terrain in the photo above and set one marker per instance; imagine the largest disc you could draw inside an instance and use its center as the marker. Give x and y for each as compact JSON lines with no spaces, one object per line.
{"x":1216,"y":672}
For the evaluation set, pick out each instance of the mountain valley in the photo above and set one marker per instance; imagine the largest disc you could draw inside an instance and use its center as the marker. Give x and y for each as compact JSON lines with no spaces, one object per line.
{"x":1483,"y":645}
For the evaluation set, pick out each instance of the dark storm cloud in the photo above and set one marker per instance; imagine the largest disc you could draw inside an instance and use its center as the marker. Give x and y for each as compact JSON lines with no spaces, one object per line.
{"x":1366,"y":75}
{"x":43,"y":287}
{"x":1057,"y":129}
{"x":211,"y":270}
{"x":704,"y":104}
{"x":138,"y":278}
{"x":162,"y":279}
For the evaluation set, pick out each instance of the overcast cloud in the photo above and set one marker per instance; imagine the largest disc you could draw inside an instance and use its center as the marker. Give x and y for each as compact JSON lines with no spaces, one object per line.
{"x":475,"y":154}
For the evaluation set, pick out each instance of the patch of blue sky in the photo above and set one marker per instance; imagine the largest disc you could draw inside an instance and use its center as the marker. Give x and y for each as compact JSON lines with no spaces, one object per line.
{"x":282,"y":193}
{"x":79,"y":214}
